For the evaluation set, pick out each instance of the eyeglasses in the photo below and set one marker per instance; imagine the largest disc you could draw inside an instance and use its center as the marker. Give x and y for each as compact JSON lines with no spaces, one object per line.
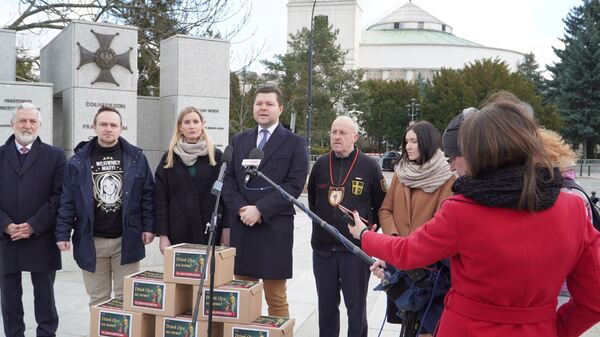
{"x":450,"y":159}
{"x":339,"y":133}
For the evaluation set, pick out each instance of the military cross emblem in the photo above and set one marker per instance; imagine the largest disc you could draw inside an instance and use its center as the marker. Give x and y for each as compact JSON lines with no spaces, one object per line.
{"x":105,"y":58}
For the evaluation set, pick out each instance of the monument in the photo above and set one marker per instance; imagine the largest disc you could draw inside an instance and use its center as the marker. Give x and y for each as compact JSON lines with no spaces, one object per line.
{"x":91,"y":65}
{"x":88,"y":65}
{"x":13,"y":93}
{"x":8,"y":55}
{"x":195,"y":71}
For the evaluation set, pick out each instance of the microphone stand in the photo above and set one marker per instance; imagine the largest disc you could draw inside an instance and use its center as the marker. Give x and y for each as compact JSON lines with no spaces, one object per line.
{"x":410,"y":317}
{"x":327,"y":227}
{"x":210,"y":255}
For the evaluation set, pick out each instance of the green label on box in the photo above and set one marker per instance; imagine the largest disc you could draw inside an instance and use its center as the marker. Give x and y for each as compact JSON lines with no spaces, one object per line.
{"x":188,"y":265}
{"x":178,"y":328}
{"x":240,"y":284}
{"x":114,"y":324}
{"x":115,"y":303}
{"x":245,"y":332}
{"x":270,"y":321}
{"x":225,"y":303}
{"x":148,"y":295}
{"x":149,"y":275}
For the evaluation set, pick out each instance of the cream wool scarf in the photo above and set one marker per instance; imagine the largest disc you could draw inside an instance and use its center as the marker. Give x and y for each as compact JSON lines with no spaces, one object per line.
{"x":189,"y":153}
{"x":429,"y":176}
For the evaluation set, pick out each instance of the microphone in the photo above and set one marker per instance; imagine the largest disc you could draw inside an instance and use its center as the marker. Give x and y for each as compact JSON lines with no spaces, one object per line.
{"x":251,"y":164}
{"x":225,"y":158}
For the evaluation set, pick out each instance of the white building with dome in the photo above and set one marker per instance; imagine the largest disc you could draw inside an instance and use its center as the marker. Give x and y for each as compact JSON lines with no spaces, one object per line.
{"x":404,"y":44}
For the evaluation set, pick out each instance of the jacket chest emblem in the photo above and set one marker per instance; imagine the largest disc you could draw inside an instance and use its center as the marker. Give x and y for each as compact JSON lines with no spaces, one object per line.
{"x":358,"y":187}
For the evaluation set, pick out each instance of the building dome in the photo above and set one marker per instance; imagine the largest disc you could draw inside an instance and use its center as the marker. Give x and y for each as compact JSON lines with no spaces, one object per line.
{"x":409,"y":43}
{"x":410,"y":24}
{"x":410,"y":16}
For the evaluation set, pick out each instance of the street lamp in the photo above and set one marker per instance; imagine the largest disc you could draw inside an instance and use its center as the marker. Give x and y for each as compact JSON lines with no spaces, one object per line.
{"x":413,"y":109}
{"x":355,"y":114}
{"x":309,"y":111}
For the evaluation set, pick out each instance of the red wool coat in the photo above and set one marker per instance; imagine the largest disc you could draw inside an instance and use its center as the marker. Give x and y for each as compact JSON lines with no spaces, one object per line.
{"x":507,"y":267}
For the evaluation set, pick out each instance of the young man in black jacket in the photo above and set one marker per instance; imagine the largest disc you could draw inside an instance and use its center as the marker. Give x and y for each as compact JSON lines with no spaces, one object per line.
{"x":108,"y":200}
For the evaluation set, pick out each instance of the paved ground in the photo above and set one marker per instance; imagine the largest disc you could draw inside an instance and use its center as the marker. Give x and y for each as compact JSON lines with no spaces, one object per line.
{"x":74,"y":316}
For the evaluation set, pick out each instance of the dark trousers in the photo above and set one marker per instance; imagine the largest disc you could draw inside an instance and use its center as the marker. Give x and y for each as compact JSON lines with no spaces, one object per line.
{"x":11,"y":293}
{"x":335,"y":271}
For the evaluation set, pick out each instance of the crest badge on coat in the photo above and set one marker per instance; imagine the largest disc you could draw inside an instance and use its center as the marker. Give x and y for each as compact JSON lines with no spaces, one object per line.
{"x":357,"y":187}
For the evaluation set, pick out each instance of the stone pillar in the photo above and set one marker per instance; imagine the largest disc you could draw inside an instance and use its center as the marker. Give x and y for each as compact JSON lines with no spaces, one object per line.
{"x":8,"y":55}
{"x":14,"y":93}
{"x":90,"y":65}
{"x":195,"y":71}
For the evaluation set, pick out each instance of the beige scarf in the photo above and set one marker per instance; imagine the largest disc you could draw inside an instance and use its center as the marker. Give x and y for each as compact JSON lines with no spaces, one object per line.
{"x":189,"y":153}
{"x":429,"y":176}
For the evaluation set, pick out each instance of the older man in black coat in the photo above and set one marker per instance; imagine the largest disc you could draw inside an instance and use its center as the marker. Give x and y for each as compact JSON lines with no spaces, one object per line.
{"x":30,"y":179}
{"x":262,"y":221}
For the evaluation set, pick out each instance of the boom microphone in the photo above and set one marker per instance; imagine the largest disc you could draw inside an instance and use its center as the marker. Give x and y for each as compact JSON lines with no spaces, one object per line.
{"x":251,"y":164}
{"x":225,"y":158}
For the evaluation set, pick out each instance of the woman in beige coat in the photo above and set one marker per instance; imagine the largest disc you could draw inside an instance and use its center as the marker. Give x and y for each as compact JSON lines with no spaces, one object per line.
{"x":422,"y":180}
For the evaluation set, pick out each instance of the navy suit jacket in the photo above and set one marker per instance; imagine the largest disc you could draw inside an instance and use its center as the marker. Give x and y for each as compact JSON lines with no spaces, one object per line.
{"x":30,"y":193}
{"x":265,"y":249}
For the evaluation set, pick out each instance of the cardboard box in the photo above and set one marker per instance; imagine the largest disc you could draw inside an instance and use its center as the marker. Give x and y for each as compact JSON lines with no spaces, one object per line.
{"x":180,"y":326}
{"x":234,"y":302}
{"x":110,"y":319}
{"x":146,"y":292}
{"x":184,"y":262}
{"x":264,"y":326}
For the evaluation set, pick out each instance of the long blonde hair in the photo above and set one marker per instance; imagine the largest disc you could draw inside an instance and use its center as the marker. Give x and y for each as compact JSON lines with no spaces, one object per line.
{"x":177,"y":136}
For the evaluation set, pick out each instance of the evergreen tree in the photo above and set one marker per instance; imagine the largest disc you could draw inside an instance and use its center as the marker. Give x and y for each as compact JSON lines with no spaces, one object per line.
{"x":241,"y":100}
{"x":446,"y":95}
{"x":575,"y":87}
{"x":450,"y":91}
{"x":529,"y":69}
{"x":331,"y":82}
{"x":26,"y":67}
{"x":384,"y":116}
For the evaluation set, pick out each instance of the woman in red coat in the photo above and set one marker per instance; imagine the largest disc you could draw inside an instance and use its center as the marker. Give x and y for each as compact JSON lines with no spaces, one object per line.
{"x":510,"y":234}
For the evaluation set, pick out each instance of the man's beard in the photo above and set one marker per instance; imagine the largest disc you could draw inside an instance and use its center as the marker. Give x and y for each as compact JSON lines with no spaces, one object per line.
{"x":25,"y":137}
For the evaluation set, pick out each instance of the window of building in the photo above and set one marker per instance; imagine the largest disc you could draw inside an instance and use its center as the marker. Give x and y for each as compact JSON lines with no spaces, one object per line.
{"x":396,"y":25}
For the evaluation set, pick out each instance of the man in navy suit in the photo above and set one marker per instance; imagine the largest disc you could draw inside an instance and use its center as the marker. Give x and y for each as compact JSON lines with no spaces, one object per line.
{"x":262,"y":221}
{"x":30,"y":176}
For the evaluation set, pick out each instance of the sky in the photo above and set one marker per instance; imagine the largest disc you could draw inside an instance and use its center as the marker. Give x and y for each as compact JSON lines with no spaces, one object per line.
{"x":520,"y":25}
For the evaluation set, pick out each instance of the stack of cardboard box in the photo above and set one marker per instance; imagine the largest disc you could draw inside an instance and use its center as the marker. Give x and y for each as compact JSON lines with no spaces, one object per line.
{"x":160,"y":304}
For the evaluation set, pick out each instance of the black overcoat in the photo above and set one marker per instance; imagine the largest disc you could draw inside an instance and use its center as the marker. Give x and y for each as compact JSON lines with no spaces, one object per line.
{"x":265,"y":249}
{"x":184,"y":204}
{"x":30,"y":193}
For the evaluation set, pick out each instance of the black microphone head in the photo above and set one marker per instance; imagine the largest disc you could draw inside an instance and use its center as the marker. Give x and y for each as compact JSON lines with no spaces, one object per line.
{"x":227,"y":154}
{"x":257,"y":154}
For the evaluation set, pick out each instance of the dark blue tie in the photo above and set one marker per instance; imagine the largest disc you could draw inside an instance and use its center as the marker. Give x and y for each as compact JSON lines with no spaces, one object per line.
{"x":263,"y":141}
